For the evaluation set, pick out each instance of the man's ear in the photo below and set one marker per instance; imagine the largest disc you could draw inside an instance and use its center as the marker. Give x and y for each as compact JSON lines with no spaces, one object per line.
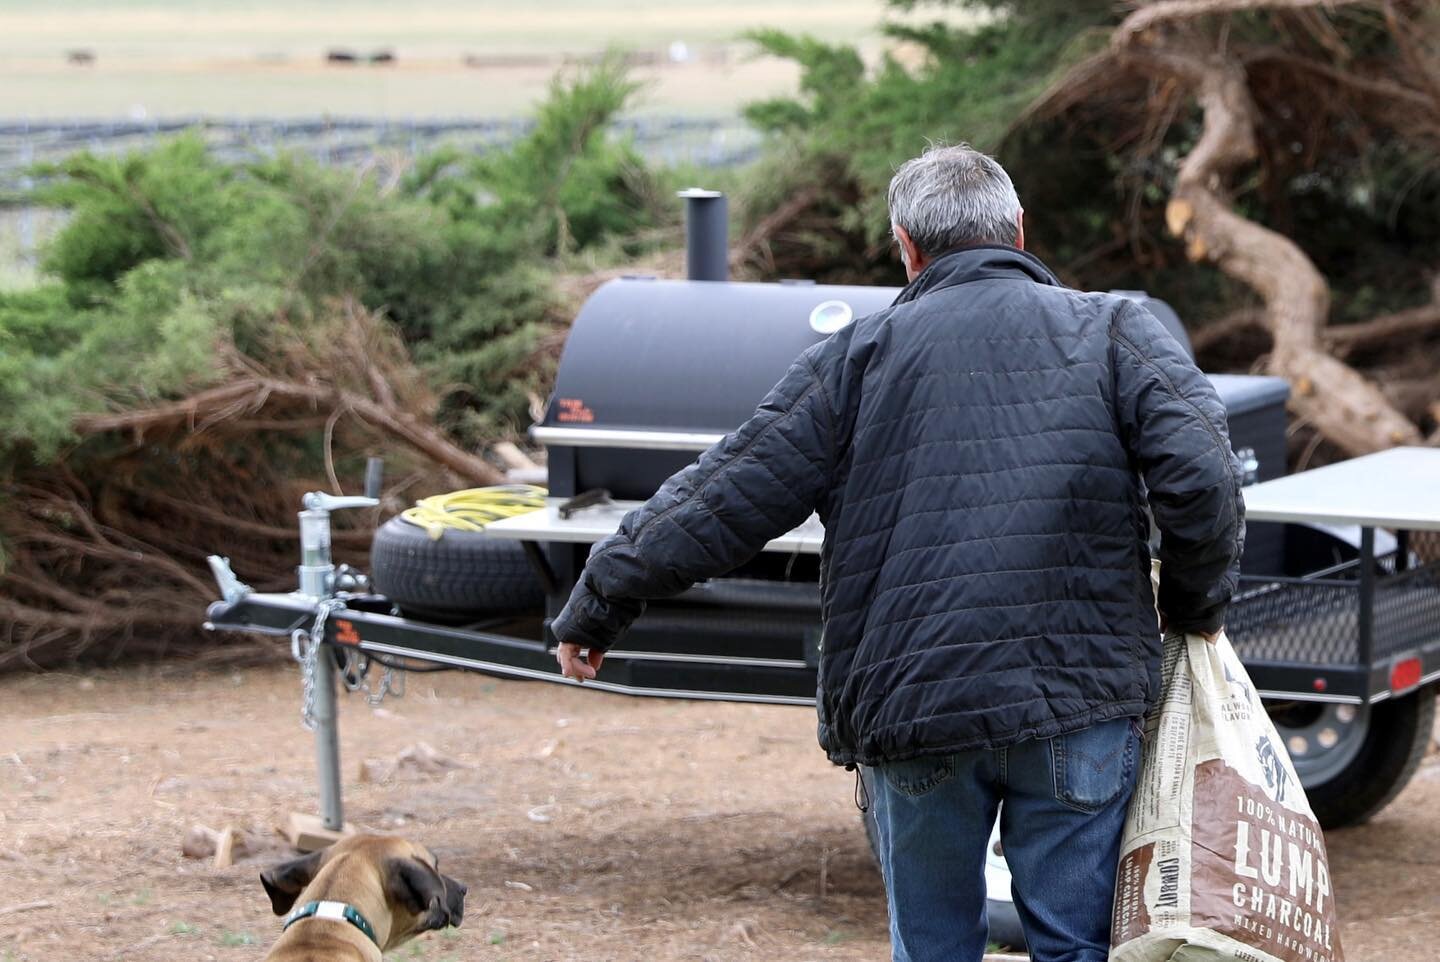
{"x":911,"y":255}
{"x":286,"y":881}
{"x":1020,"y":229}
{"x":418,"y":889}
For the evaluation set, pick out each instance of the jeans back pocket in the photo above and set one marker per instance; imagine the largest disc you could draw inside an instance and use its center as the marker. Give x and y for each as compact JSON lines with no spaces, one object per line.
{"x":1093,"y":766}
{"x":916,"y":776}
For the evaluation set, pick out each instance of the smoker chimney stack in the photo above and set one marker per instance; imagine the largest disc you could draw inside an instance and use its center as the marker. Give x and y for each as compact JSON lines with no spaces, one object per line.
{"x":707,"y":235}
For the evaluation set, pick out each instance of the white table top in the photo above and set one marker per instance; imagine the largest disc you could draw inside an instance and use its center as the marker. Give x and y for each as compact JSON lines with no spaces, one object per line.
{"x":1398,"y":488}
{"x":589,"y":525}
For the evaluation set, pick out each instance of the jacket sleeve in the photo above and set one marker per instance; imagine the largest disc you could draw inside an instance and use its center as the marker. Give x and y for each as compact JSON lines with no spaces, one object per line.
{"x":750,"y":487}
{"x":1174,"y":426}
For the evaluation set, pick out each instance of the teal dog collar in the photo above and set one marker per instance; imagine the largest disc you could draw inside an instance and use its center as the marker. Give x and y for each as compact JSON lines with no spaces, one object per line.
{"x":335,"y":912}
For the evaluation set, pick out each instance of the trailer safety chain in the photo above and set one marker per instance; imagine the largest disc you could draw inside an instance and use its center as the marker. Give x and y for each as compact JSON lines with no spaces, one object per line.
{"x":392,"y":682}
{"x":356,"y":677}
{"x":305,"y":648}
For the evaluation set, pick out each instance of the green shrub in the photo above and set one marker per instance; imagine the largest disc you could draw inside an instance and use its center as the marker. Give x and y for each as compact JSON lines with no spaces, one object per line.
{"x":173,"y":264}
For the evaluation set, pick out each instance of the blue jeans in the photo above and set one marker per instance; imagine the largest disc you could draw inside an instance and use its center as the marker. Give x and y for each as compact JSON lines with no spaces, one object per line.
{"x":1065,"y":799}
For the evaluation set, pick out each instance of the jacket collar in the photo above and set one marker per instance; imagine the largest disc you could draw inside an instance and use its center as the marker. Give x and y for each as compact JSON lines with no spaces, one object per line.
{"x":977,"y":263}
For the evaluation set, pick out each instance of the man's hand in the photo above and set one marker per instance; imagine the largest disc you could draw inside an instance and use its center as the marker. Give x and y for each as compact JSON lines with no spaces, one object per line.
{"x":1210,"y":636}
{"x":574,"y":665}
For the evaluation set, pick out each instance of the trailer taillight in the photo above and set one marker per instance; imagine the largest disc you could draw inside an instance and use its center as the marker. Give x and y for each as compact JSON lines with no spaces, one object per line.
{"x":1405,"y":675}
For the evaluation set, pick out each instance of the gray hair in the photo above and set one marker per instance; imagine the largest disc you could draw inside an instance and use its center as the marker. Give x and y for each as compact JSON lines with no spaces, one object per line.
{"x":951,"y":196}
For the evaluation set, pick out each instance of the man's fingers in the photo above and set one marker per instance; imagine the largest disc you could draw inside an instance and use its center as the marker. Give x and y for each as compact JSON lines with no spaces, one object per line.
{"x":566,"y":655}
{"x":595,"y":658}
{"x":572,"y":665}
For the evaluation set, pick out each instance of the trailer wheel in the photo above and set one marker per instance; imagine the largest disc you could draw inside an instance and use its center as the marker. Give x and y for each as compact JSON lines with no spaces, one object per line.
{"x":457,"y":578}
{"x":1354,"y":759}
{"x":999,"y":904}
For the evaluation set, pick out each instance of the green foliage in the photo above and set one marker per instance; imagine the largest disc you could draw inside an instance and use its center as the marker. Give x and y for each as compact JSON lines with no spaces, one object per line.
{"x":833,"y":74}
{"x":133,"y":209}
{"x":35,"y":328}
{"x":973,"y":83}
{"x":173,"y":263}
{"x":563,"y":187}
{"x":149,"y":338}
{"x":847,"y":129}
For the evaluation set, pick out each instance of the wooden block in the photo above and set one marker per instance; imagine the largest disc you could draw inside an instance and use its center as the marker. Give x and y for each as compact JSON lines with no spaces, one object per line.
{"x":308,"y":832}
{"x":225,"y":848}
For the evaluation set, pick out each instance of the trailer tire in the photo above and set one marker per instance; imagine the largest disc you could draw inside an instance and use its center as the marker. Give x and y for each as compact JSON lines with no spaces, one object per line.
{"x":1003,"y":918}
{"x":456,"y":578}
{"x":1398,"y":733}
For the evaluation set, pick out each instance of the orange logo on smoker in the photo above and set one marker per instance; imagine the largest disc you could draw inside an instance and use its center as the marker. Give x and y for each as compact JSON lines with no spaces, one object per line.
{"x":573,"y":411}
{"x":345,"y":633}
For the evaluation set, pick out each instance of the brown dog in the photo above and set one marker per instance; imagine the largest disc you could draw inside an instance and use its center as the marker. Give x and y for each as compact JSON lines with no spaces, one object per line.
{"x":359,"y":898}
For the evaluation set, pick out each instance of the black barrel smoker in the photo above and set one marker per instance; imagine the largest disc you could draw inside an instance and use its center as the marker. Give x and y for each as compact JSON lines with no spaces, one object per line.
{"x":655,"y":371}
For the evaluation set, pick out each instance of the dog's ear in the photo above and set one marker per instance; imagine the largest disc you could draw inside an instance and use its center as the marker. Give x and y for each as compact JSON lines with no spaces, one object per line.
{"x":419,"y":890}
{"x":284,"y":882}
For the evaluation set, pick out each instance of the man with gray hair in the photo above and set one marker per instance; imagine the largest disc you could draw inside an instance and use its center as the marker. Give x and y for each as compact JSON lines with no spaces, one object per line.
{"x":980,"y":454}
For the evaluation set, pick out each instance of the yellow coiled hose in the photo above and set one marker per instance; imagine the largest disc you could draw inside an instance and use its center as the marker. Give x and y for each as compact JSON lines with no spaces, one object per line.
{"x":473,"y":508}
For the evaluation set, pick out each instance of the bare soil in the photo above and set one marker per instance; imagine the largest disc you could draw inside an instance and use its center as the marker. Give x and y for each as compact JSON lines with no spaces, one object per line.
{"x":589,"y":826}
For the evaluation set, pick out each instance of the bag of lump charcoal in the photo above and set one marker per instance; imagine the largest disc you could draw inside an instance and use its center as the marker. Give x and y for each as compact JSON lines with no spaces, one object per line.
{"x":1222,"y":858}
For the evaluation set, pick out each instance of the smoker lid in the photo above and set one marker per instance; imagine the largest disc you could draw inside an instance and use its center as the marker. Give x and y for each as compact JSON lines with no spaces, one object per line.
{"x":692,"y":355}
{"x":1243,"y":393}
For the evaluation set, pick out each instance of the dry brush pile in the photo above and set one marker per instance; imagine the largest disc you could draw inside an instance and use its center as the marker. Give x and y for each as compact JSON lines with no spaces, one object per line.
{"x":214,"y":339}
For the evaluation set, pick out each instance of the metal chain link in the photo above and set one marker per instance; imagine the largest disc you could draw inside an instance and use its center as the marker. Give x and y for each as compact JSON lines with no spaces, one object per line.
{"x":356,"y":677}
{"x":392,"y":684}
{"x":354,"y":670}
{"x":305,"y":648}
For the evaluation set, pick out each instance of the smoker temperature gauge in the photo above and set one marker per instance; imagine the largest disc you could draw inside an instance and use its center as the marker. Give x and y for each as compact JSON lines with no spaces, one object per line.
{"x":830,"y":316}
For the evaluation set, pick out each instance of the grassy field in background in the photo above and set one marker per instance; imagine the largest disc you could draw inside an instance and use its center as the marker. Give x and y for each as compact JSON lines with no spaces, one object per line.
{"x":167,"y":58}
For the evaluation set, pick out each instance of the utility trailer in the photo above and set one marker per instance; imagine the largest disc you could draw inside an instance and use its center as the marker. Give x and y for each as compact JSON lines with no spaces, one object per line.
{"x":1337,"y":617}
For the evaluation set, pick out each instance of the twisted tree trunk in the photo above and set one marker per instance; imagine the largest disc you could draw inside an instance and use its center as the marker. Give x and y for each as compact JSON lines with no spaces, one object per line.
{"x":1346,"y":408}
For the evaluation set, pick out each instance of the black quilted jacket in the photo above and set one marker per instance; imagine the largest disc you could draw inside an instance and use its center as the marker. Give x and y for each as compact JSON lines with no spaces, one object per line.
{"x":976,"y":453}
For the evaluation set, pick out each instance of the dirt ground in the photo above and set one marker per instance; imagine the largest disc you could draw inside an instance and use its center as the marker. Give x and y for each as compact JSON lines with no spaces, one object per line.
{"x":588,"y":826}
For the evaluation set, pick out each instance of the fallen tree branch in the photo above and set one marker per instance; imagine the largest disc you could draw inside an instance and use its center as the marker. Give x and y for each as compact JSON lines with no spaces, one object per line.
{"x":1225,"y":328}
{"x":1376,"y":331}
{"x":1153,"y":15}
{"x":248,"y":395}
{"x":259,"y":529}
{"x":1388,"y":92}
{"x":759,"y":236}
{"x":1349,"y":410}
